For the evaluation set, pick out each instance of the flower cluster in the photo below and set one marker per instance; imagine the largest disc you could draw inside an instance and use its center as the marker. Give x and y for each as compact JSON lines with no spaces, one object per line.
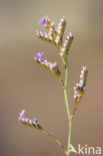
{"x":60,"y":31}
{"x":61,"y":27}
{"x":45,"y":36}
{"x":55,"y":36}
{"x":66,"y":45}
{"x":47,"y":23}
{"x":80,"y":87}
{"x":28,"y":122}
{"x":53,"y":67}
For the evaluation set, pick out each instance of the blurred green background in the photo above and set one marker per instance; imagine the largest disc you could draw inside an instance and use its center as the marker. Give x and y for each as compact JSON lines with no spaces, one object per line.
{"x":25,"y":85}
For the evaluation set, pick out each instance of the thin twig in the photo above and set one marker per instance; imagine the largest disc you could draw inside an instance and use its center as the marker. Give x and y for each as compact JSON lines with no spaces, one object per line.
{"x":55,"y":139}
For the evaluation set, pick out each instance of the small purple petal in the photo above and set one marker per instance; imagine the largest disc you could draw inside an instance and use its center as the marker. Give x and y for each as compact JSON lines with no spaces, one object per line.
{"x":42,"y":21}
{"x":22,"y":115}
{"x":39,"y":56}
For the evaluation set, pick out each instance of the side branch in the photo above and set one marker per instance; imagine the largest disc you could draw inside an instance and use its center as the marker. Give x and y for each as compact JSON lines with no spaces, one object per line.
{"x":55,"y":139}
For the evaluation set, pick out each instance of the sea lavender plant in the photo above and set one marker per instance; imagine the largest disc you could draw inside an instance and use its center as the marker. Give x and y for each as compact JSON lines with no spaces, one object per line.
{"x":55,"y":37}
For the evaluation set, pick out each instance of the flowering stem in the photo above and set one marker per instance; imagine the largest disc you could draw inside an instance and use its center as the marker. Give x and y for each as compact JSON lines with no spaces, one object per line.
{"x":69,"y":136}
{"x":66,"y":76}
{"x":55,"y":139}
{"x":68,"y":109}
{"x":66,"y":102}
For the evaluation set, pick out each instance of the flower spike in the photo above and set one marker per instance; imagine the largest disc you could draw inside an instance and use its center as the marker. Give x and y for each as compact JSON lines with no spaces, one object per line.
{"x":80,"y":87}
{"x":35,"y":124}
{"x":29,"y":122}
{"x":66,"y":45}
{"x":61,"y":29}
{"x":45,"y":36}
{"x":53,"y":67}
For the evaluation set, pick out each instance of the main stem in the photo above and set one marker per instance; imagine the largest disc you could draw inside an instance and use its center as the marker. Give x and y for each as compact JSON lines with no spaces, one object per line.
{"x":68,"y":109}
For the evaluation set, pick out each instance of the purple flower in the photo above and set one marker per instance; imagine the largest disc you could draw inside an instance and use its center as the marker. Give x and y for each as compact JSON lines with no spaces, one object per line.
{"x":42,"y":21}
{"x":22,"y":115}
{"x":39,"y":56}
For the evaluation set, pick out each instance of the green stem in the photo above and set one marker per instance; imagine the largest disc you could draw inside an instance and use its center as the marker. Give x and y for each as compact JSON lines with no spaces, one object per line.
{"x":66,"y":76}
{"x":68,"y":109}
{"x":66,"y":103}
{"x":65,"y":92}
{"x":69,"y":136}
{"x":55,"y":139}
